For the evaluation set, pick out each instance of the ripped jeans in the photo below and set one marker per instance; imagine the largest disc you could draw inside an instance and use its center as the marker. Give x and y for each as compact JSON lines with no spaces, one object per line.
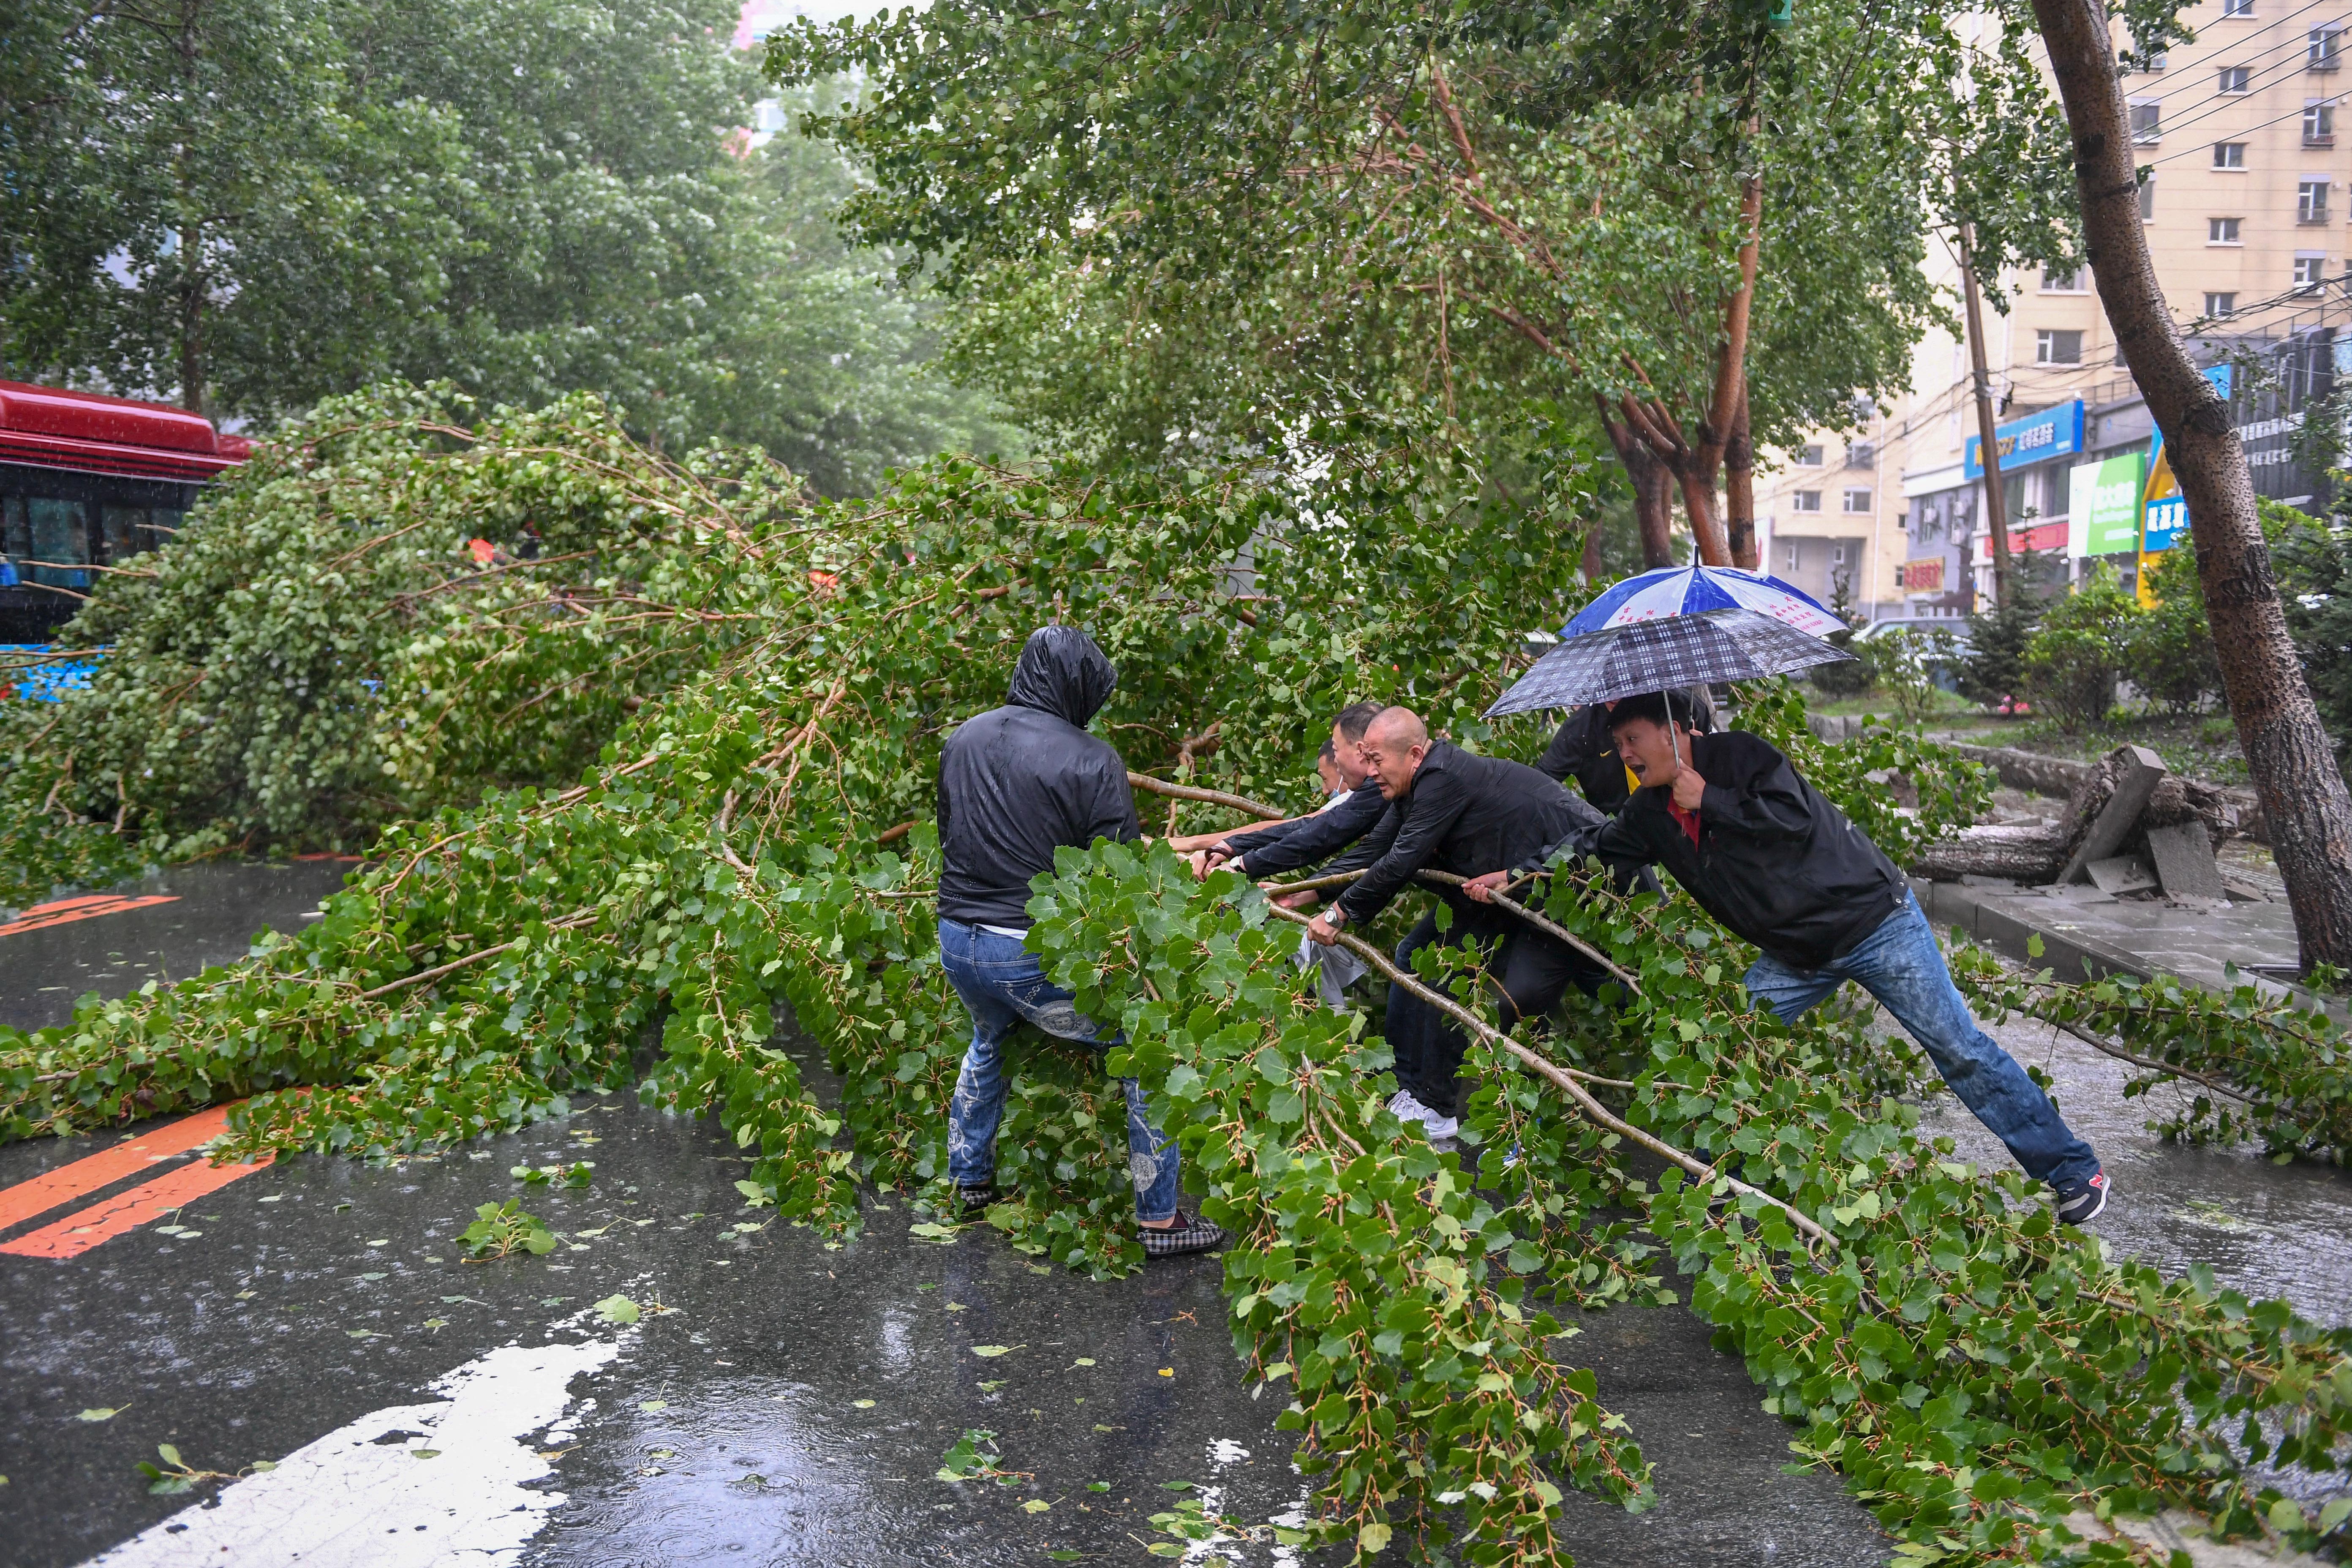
{"x":1001,"y":983}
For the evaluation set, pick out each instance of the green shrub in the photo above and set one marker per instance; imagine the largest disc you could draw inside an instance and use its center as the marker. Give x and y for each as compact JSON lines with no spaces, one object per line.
{"x":2170,"y":651}
{"x":1847,"y":678}
{"x":1994,"y":670}
{"x":2074,"y":660}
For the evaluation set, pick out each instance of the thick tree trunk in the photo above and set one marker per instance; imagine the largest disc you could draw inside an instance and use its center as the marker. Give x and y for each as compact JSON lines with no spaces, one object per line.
{"x":1654,"y":506}
{"x":1739,"y":490}
{"x":2305,"y":804}
{"x":1694,"y":475}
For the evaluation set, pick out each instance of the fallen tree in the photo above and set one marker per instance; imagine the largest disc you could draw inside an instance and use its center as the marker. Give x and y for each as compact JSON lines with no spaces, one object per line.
{"x":1977,"y":1373}
{"x":403,"y":600}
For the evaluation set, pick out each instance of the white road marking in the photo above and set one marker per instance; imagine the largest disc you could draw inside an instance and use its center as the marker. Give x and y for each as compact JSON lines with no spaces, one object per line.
{"x":350,"y":1501}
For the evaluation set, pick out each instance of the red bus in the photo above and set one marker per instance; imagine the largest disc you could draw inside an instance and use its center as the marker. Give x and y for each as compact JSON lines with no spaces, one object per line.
{"x":86,"y":482}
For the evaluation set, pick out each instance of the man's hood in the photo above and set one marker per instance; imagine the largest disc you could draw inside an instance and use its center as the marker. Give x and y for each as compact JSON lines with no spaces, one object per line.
{"x":1061,"y":672}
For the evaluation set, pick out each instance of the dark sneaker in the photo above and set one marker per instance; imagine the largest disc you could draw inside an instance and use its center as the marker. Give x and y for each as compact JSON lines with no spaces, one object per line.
{"x":976,"y":1200}
{"x":1190,"y":1233}
{"x":2080,"y":1202}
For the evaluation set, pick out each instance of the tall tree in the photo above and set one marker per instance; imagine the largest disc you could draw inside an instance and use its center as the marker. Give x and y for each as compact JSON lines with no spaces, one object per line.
{"x":251,"y":206}
{"x":2304,"y":803}
{"x":1381,"y":203}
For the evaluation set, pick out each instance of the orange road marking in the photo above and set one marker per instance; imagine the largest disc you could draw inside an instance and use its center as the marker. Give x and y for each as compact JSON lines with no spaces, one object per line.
{"x":78,"y":1233}
{"x":66,"y":910}
{"x":83,"y":1178}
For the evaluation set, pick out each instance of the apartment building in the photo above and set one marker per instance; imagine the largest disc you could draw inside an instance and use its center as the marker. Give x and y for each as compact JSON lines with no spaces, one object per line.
{"x":2246,"y":211}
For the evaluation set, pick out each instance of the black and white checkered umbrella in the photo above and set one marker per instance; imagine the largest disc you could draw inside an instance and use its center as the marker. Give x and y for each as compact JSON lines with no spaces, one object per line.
{"x":1668,"y":652}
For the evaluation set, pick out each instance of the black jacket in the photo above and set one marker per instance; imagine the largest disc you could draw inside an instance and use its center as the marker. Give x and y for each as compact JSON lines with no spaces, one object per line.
{"x":1018,"y":782}
{"x":1267,"y":851}
{"x":1468,"y":814}
{"x":1583,"y":748}
{"x":1775,"y":862}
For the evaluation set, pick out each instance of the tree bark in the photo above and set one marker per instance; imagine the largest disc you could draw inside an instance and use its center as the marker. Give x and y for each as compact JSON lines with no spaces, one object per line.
{"x":1654,"y":506}
{"x":1739,"y":490}
{"x":191,"y":322}
{"x":1694,"y":475}
{"x":2304,"y":803}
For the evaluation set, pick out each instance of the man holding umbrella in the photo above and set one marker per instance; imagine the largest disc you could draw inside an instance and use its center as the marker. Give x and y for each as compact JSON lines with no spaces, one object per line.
{"x":1770,"y":859}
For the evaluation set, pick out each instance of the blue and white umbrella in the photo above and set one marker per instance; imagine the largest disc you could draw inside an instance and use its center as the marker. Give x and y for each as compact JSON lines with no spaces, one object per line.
{"x":1695,"y":591}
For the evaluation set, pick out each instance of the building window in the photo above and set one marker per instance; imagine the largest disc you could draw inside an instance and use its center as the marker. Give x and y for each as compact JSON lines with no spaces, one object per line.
{"x":2310,"y":270}
{"x":2223,"y":231}
{"x":1805,"y":501}
{"x":1809,"y":456}
{"x":2229,"y":154}
{"x":2221,"y":307}
{"x":2311,"y":201}
{"x":2319,"y":123}
{"x":1860,"y":453}
{"x":2324,"y":49}
{"x":2063,"y":283}
{"x":2237,"y":7}
{"x":2148,"y":197}
{"x":2053,"y":345}
{"x":1858,"y":500}
{"x":1837,"y":551}
{"x":2147,"y":123}
{"x":2235,"y":79}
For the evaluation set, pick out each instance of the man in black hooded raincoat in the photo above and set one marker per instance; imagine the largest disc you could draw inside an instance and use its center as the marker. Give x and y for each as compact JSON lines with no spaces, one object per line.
{"x":1015,"y":783}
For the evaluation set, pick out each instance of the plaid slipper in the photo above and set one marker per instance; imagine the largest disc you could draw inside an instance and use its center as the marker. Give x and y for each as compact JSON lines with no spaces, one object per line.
{"x":976,"y":1199}
{"x":1190,"y":1233}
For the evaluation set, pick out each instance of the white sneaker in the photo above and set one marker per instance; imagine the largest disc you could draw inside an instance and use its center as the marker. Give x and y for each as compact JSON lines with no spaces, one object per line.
{"x":1405,"y":1108}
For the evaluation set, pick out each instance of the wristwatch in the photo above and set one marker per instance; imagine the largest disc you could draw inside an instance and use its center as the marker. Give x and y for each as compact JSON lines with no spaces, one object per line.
{"x":1336,"y":917}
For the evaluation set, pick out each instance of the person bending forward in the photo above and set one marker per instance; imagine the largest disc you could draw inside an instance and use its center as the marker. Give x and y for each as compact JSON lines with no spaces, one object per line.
{"x":1015,"y":783}
{"x":1781,"y":867}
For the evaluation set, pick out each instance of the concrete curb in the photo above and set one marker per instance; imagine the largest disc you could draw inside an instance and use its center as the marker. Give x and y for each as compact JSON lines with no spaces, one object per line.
{"x":2071,"y":954}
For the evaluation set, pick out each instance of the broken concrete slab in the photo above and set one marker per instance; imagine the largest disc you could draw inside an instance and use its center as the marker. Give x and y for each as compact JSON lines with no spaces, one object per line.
{"x":2121,"y":874}
{"x":2185,"y":863}
{"x":2143,"y":770}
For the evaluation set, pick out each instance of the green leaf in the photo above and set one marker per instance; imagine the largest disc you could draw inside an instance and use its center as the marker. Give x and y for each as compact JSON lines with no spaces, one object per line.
{"x":617,"y":1310}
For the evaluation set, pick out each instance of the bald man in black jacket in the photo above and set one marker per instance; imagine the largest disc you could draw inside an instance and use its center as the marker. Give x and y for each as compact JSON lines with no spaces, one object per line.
{"x":1452,"y":810}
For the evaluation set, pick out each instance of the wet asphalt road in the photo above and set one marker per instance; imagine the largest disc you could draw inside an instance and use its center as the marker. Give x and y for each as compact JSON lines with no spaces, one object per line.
{"x":321,"y":1317}
{"x":215,"y":912}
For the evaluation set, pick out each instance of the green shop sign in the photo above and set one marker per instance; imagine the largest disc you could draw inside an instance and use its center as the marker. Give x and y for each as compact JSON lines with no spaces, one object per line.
{"x":2105,"y":501}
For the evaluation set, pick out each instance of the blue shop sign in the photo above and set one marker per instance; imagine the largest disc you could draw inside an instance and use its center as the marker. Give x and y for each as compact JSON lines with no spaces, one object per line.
{"x":2052,"y":433}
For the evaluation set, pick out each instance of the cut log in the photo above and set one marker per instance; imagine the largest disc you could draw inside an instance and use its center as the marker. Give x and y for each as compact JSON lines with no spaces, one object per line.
{"x":2027,"y":855}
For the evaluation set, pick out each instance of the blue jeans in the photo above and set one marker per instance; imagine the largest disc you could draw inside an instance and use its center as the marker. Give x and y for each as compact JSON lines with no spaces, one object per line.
{"x":1901,"y":966}
{"x":1001,"y":983}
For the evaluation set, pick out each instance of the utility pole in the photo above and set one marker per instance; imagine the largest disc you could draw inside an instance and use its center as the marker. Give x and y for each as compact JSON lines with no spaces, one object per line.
{"x":1996,"y":511}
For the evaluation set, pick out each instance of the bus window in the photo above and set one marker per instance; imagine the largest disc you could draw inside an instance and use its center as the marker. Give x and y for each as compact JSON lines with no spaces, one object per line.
{"x":124,"y":532}
{"x":60,"y":542}
{"x":162,"y":522}
{"x":15,"y":539}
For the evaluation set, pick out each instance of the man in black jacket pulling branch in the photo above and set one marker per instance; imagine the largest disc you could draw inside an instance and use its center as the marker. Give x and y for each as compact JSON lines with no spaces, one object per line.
{"x":1015,"y":783}
{"x":1452,"y":810}
{"x":1781,"y":867}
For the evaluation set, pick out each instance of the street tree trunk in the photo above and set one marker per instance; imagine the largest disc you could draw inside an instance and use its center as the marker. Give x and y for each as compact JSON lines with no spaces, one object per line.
{"x":2305,"y":804}
{"x":1739,"y":490}
{"x":1653,"y":490}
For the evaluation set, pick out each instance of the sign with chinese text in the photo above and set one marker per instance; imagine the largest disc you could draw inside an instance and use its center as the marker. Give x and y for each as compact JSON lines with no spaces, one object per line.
{"x":2102,"y":507}
{"x":2036,"y":438}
